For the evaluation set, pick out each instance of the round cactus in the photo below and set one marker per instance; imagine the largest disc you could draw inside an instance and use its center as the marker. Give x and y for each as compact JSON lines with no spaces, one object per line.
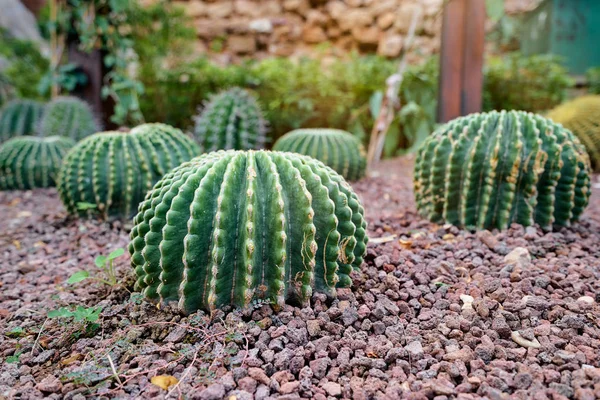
{"x":28,"y":162}
{"x":489,"y":170}
{"x":231,"y":120}
{"x":339,"y":149}
{"x":110,"y":172}
{"x":233,"y":227}
{"x":582,"y":117}
{"x":20,"y":117}
{"x":70,"y":117}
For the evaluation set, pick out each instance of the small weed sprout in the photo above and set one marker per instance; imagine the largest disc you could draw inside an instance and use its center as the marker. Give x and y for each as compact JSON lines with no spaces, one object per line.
{"x":105,"y":263}
{"x":85,"y":318}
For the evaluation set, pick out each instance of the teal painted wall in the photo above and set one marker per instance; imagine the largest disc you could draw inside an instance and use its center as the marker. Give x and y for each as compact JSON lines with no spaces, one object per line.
{"x":568,"y":28}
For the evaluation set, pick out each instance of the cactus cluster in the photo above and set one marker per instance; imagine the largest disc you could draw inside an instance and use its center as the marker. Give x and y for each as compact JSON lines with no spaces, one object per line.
{"x":231,"y":120}
{"x":233,"y":227}
{"x":582,"y":117}
{"x":491,"y":169}
{"x":69,"y":117}
{"x":114,"y":170}
{"x":336,"y":148}
{"x":28,"y":162}
{"x":19,"y":118}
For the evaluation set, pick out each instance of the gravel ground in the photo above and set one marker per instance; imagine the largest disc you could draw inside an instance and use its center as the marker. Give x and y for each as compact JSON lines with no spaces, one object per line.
{"x":435,"y":313}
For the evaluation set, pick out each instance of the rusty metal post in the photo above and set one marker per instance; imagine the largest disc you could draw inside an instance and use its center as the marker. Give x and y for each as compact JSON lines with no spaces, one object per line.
{"x":461,"y":60}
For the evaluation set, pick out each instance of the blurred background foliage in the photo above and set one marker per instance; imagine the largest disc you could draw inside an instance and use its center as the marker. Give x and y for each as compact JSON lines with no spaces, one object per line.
{"x":170,"y":84}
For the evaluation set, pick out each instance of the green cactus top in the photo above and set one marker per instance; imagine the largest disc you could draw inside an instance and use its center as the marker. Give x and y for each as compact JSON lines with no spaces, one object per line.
{"x":28,"y":162}
{"x":231,"y":120}
{"x":20,"y":117}
{"x":491,"y":169}
{"x":114,"y":170}
{"x":338,"y":149}
{"x":69,"y":117}
{"x":231,"y":227}
{"x":582,"y":117}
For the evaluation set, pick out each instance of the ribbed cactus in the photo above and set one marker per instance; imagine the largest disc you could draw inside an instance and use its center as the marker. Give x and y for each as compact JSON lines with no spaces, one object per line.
{"x":339,"y":149}
{"x":582,"y":117}
{"x":231,"y":120}
{"x":70,"y":117}
{"x":232,"y":227}
{"x":28,"y":162}
{"x":114,"y":170}
{"x":489,"y":170}
{"x":20,"y":117}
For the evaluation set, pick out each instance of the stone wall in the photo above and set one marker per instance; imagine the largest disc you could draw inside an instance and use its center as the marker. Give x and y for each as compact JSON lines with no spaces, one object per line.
{"x":258,"y":28}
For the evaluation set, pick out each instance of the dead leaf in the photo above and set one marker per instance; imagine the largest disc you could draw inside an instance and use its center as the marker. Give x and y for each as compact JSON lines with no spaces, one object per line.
{"x":164,"y":381}
{"x":371,"y":354}
{"x":17,"y":244}
{"x":71,"y":359}
{"x":24,"y":214}
{"x":405,"y":244}
{"x":383,"y":239}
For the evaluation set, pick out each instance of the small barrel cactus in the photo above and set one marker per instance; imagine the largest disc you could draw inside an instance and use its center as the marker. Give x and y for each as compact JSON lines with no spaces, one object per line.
{"x":110,"y":172}
{"x":28,"y":162}
{"x":236,"y":227}
{"x":70,"y":117}
{"x":339,"y":149}
{"x":491,"y":169}
{"x":231,"y":120}
{"x":582,"y":117}
{"x":19,"y":118}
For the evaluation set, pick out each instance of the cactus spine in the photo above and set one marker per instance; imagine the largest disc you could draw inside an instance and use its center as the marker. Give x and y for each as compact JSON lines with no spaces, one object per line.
{"x":582,"y":117}
{"x":28,"y":162}
{"x":489,"y":170}
{"x":336,"y":148}
{"x":69,"y":117}
{"x":114,"y":170}
{"x":231,"y":120}
{"x":19,"y":118}
{"x":231,"y":227}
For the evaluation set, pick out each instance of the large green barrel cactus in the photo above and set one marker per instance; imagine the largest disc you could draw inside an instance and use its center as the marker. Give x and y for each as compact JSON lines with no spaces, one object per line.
{"x":20,"y":117}
{"x":582,"y":117}
{"x":70,"y":117}
{"x":232,"y":227}
{"x":28,"y":162}
{"x":489,"y":170}
{"x":110,"y":172}
{"x":339,"y":149}
{"x":231,"y":120}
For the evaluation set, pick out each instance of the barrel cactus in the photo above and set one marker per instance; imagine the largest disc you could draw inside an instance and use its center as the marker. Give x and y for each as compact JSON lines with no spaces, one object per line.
{"x":489,"y":170}
{"x":235,"y":227}
{"x":28,"y":162}
{"x":70,"y":117}
{"x":7,"y":91}
{"x":582,"y":117}
{"x":231,"y":120}
{"x":109,"y":173}
{"x":339,"y":149}
{"x":20,"y":117}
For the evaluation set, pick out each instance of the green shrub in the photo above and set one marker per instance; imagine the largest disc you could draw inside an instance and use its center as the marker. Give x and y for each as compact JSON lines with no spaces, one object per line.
{"x":232,"y":227}
{"x":528,"y":83}
{"x":26,"y":65}
{"x":593,"y":77}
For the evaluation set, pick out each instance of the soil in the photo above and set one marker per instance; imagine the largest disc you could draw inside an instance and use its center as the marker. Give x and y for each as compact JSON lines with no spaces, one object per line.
{"x":435,"y":313}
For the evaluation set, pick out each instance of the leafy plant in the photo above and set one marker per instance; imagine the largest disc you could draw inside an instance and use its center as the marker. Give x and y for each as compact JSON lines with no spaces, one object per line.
{"x":528,"y":83}
{"x":593,"y":77}
{"x":84,"y":317}
{"x":105,"y":264}
{"x":25,"y":66}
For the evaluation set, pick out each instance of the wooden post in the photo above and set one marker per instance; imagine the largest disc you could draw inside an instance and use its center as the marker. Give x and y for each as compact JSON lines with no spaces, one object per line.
{"x":461,"y":63}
